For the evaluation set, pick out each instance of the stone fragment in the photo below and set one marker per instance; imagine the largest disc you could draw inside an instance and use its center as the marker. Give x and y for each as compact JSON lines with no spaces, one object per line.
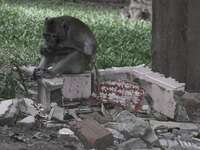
{"x":129,"y":125}
{"x":57,"y":113}
{"x":133,"y":144}
{"x":191,"y":103}
{"x":27,"y":122}
{"x":27,"y":107}
{"x":185,"y":126}
{"x":150,"y":136}
{"x":65,"y":131}
{"x":93,"y":134}
{"x":118,"y":137}
{"x":8,"y":111}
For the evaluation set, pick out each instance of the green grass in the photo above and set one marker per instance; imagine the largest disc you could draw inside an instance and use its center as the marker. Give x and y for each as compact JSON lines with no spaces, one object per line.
{"x":121,"y":42}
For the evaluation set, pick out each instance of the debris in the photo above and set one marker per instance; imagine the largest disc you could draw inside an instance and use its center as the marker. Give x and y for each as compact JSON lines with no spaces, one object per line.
{"x":129,"y":125}
{"x":8,"y":111}
{"x":58,"y":113}
{"x":84,"y":110}
{"x":118,"y":137}
{"x":19,"y":137}
{"x":192,"y":105}
{"x":28,"y":121}
{"x":133,"y":144}
{"x":150,"y":136}
{"x":53,"y":124}
{"x":186,"y":126}
{"x":95,"y":116}
{"x":65,"y":131}
{"x":178,"y":144}
{"x":93,"y":134}
{"x":72,"y":112}
{"x":28,"y":107}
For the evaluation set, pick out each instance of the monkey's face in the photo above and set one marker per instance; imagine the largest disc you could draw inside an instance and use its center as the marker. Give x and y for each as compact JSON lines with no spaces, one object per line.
{"x":53,"y":32}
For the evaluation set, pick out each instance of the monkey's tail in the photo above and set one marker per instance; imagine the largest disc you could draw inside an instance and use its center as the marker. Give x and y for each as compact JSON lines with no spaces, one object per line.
{"x":96,"y":77}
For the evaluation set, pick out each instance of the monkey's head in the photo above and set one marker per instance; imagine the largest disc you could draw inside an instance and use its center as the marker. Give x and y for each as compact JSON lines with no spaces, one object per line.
{"x":54,"y":32}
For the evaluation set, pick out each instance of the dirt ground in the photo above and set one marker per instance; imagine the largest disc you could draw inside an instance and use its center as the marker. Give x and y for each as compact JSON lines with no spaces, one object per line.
{"x":17,"y":138}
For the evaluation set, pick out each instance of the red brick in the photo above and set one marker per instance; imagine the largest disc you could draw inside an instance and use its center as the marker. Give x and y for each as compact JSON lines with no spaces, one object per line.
{"x":94,"y":135}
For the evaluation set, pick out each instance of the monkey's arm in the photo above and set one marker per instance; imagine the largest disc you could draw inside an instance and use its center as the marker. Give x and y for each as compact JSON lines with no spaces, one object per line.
{"x":45,"y":61}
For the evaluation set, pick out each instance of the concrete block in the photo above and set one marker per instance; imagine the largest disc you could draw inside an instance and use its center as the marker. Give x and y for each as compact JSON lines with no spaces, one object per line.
{"x":94,"y":135}
{"x":59,"y":89}
{"x":46,"y":90}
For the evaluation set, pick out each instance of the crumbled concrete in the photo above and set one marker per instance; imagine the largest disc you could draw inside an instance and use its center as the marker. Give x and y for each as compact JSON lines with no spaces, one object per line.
{"x":129,"y":125}
{"x":118,"y":137}
{"x":8,"y":111}
{"x":26,"y":106}
{"x":57,"y":113}
{"x":27,"y":122}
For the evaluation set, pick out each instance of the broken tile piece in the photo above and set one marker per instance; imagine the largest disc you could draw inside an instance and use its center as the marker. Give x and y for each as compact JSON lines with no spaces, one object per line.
{"x":93,"y":134}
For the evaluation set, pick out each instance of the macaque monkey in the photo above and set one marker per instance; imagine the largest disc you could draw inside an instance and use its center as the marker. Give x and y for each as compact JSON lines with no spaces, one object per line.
{"x":69,"y":47}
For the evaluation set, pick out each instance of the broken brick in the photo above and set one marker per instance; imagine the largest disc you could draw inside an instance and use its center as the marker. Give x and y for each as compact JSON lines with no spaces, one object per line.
{"x":93,"y":134}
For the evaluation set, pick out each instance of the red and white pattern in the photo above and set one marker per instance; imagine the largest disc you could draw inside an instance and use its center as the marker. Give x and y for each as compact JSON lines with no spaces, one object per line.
{"x":123,"y":93}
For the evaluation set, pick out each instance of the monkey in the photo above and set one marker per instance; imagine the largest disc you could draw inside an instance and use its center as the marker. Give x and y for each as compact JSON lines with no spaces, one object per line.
{"x":69,"y":47}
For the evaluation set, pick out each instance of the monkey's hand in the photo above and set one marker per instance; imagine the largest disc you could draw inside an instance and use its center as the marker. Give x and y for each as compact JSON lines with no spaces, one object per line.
{"x":37,"y":73}
{"x":46,"y":51}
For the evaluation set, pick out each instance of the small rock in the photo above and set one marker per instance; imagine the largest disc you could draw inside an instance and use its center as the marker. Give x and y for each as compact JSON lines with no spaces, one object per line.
{"x":26,"y":106}
{"x":8,"y":111}
{"x":118,"y":137}
{"x":58,"y":113}
{"x":65,"y":131}
{"x":27,"y":122}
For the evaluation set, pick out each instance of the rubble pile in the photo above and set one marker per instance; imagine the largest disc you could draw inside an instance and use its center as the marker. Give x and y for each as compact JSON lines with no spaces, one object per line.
{"x":122,"y":116}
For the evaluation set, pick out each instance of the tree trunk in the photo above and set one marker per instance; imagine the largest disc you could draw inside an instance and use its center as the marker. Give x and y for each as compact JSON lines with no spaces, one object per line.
{"x":176,"y":40}
{"x":169,"y":38}
{"x":193,"y":56}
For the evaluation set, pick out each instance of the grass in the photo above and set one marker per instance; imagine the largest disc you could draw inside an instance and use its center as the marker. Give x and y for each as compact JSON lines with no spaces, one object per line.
{"x":121,"y":42}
